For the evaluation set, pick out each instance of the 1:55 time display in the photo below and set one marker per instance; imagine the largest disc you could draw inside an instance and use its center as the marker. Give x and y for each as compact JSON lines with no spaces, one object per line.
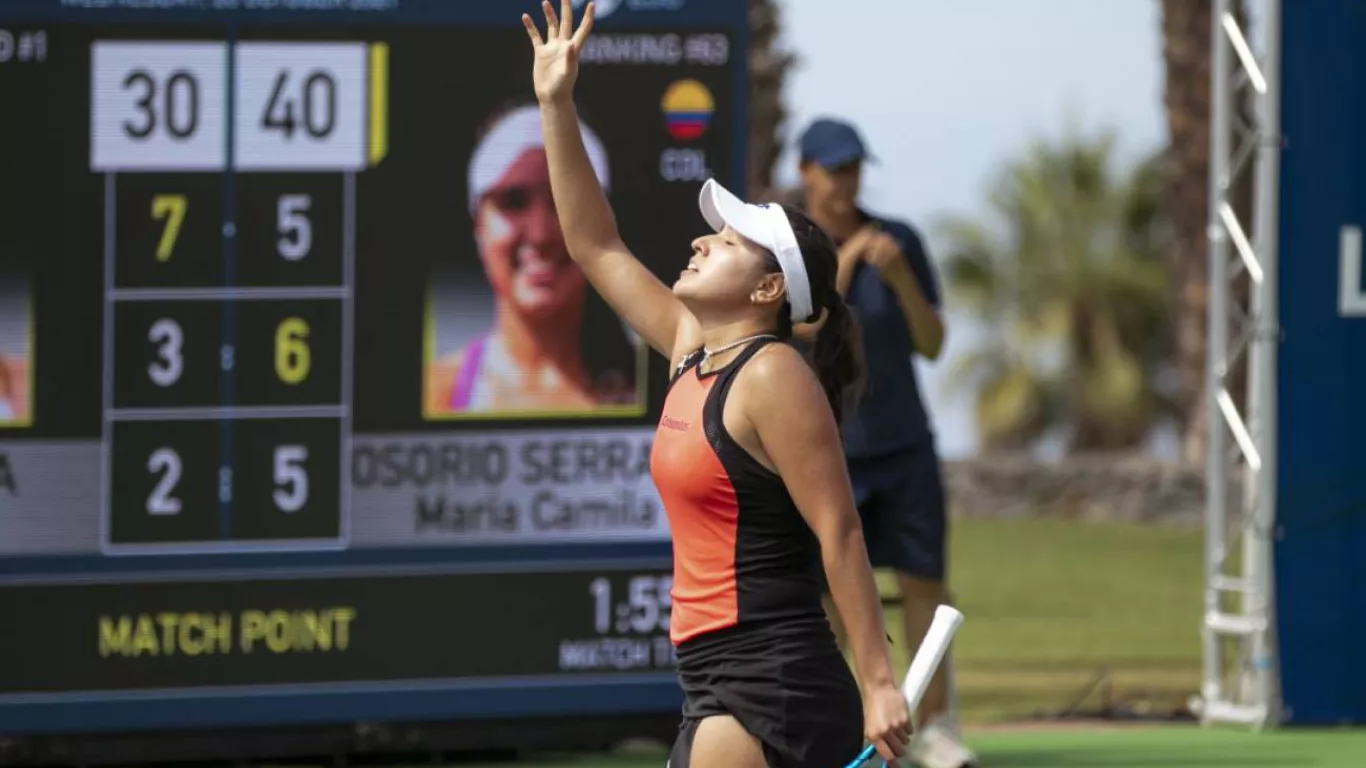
{"x":644,"y":609}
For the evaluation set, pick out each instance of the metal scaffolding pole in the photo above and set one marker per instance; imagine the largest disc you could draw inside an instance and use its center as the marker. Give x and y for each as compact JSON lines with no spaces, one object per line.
{"x":1240,"y":671}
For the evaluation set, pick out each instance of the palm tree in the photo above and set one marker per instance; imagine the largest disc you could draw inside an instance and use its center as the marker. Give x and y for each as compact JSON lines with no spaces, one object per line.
{"x":1186,"y":53}
{"x":768,"y":69}
{"x":1071,"y":282}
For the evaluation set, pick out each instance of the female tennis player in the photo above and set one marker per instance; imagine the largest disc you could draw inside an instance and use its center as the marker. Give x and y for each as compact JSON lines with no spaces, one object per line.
{"x":747,"y":461}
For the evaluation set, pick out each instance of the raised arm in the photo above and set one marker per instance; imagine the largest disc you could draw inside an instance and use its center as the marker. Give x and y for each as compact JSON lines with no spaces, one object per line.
{"x":590,"y":229}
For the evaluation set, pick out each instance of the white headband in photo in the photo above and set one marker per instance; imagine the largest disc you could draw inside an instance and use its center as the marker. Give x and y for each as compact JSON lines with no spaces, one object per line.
{"x":767,"y":226}
{"x":514,"y":134}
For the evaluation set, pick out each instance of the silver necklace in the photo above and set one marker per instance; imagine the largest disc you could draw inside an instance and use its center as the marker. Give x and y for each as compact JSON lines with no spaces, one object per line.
{"x":709,"y":353}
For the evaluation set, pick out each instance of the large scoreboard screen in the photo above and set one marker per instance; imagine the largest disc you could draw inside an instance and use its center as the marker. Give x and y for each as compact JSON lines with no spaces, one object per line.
{"x":305,"y":414}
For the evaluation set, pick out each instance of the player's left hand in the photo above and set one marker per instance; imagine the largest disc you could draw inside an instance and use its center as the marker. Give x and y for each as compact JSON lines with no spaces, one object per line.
{"x":887,"y":721}
{"x":557,"y":56}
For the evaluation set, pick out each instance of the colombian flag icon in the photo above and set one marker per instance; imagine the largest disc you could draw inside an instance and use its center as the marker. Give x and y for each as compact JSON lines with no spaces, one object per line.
{"x":688,"y":107}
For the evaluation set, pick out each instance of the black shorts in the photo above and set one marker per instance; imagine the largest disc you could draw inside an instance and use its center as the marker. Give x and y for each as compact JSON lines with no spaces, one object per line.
{"x":793,"y":691}
{"x":900,"y":499}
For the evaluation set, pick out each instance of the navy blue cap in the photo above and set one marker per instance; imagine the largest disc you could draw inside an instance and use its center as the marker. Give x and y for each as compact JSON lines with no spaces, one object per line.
{"x":832,"y":143}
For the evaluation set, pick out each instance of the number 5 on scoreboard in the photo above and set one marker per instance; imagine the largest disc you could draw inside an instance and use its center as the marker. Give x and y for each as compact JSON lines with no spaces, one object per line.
{"x":296,"y":231}
{"x":171,"y":209}
{"x":291,"y":478}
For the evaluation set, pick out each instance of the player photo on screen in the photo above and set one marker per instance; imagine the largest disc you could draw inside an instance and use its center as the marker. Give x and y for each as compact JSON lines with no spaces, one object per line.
{"x":469,"y":310}
{"x":16,"y":331}
{"x":513,"y":328}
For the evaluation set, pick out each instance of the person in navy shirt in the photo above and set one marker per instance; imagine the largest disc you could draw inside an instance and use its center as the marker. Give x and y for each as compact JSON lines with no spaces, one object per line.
{"x":887,"y":278}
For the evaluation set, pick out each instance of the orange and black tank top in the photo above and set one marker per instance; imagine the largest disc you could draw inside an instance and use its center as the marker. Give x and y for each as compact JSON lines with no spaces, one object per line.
{"x":743,"y":554}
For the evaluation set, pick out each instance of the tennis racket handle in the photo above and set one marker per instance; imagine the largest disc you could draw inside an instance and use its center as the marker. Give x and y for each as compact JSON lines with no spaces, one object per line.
{"x":930,"y":653}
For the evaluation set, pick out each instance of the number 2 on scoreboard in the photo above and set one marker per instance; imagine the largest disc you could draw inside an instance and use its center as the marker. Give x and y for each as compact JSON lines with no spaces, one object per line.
{"x":171,"y":209}
{"x":164,"y":462}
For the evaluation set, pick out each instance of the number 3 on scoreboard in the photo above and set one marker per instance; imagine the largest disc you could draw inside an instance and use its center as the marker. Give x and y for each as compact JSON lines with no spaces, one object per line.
{"x":169,"y":338}
{"x":292,"y":356}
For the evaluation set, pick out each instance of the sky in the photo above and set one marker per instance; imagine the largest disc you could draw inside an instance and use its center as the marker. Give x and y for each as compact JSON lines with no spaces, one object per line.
{"x":961,"y":86}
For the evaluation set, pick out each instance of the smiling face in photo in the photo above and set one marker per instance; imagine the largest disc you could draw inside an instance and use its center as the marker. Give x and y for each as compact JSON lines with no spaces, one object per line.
{"x":521,"y":245}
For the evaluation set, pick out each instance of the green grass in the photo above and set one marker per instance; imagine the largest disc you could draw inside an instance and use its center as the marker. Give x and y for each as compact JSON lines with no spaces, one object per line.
{"x":1185,"y":747}
{"x":1147,"y":747}
{"x":1050,"y":604}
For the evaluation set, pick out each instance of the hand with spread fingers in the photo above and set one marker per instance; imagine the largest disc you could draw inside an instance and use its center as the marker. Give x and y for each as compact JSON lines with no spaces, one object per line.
{"x":557,"y":54}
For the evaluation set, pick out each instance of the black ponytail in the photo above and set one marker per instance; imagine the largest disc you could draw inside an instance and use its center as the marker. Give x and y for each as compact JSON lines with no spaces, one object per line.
{"x":837,"y":355}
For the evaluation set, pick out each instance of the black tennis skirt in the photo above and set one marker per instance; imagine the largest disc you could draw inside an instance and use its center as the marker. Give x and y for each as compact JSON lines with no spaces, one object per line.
{"x":786,"y":683}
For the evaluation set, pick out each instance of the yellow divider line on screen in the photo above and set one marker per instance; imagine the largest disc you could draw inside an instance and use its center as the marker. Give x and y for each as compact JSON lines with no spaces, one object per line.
{"x":379,"y":102}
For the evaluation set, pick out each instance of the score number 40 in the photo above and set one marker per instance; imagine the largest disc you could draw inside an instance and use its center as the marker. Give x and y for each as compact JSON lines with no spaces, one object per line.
{"x":291,"y":480}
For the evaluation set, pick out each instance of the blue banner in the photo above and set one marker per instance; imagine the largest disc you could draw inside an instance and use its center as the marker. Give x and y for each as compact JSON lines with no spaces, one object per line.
{"x":1320,"y":551}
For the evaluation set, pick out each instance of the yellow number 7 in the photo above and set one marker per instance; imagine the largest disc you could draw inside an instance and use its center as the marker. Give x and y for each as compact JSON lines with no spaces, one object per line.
{"x":172,"y":209}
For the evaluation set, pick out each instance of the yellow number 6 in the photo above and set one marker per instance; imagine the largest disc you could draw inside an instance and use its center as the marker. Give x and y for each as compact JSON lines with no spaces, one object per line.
{"x":172,"y":209}
{"x":291,"y":350}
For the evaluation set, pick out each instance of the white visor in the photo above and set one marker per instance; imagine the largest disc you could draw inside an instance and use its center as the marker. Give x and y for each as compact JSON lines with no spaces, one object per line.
{"x":515,"y":134}
{"x":767,"y":226}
